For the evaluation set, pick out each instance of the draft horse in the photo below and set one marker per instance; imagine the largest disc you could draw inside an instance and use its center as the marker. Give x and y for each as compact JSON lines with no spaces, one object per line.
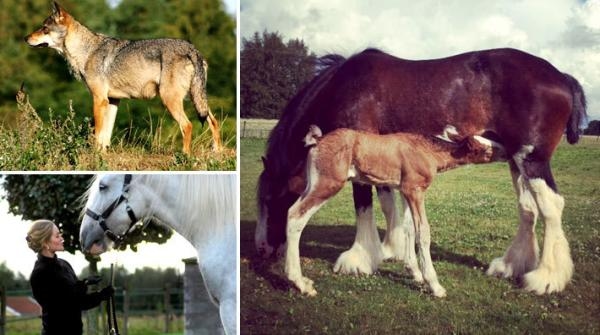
{"x":201,"y":208}
{"x":516,"y":99}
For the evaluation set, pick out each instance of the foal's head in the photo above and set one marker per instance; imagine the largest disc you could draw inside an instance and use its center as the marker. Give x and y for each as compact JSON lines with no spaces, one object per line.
{"x":477,"y":149}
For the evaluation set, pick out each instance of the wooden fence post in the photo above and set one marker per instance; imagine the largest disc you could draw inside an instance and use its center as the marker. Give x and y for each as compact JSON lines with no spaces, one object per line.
{"x":2,"y":309}
{"x":167,"y":304}
{"x":125,"y":311}
{"x":201,"y":315}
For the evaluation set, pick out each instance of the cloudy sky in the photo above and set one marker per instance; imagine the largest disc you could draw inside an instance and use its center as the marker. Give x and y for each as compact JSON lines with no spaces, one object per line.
{"x":565,"y":32}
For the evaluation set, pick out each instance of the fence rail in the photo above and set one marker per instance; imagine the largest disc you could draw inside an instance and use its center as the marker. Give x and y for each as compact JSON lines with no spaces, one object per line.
{"x":256,"y":128}
{"x":166,"y":303}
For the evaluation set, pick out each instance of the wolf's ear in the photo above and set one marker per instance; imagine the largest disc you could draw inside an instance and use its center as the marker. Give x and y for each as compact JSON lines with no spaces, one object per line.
{"x":58,"y":13}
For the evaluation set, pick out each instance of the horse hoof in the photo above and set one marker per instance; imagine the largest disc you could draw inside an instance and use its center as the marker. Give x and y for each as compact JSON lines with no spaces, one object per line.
{"x":438,"y":291}
{"x":354,"y":261}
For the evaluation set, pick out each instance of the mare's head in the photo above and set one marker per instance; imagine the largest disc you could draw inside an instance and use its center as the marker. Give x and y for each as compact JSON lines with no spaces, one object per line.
{"x":277,"y":190}
{"x":113,"y":206}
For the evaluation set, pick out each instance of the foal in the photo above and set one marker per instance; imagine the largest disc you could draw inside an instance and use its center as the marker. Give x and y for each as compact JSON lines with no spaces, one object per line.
{"x":404,"y":161}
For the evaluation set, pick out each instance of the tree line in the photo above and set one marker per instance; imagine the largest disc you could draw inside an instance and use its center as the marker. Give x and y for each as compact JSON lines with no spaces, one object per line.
{"x":46,"y":75}
{"x":272,"y":71}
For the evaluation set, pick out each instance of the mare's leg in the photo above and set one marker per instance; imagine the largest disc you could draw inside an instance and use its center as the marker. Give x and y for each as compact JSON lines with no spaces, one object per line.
{"x":522,"y":255}
{"x":365,"y":255}
{"x":394,"y":242}
{"x":556,"y":266}
{"x":416,"y":202}
{"x":319,"y":192}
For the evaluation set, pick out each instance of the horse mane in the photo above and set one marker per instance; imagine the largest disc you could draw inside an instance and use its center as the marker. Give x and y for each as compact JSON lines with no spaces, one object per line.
{"x":209,"y":200}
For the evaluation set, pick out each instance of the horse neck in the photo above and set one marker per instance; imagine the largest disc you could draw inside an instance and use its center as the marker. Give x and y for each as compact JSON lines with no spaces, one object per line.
{"x":192,"y":206}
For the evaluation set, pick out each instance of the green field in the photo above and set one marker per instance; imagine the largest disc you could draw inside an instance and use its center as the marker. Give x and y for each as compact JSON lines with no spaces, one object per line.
{"x":473,"y":217}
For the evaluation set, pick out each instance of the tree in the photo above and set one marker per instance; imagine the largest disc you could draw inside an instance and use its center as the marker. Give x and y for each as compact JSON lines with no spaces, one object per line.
{"x":593,"y":128}
{"x":59,"y":198}
{"x":271,"y":72}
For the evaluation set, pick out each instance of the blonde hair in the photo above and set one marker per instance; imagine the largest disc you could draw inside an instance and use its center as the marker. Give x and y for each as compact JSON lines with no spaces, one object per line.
{"x":39,"y":233}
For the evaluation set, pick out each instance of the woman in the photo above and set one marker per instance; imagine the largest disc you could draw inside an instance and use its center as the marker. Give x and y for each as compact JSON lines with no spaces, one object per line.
{"x":55,"y":285}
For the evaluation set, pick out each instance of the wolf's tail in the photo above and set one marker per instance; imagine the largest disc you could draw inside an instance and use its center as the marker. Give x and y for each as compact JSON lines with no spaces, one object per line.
{"x":200,"y":98}
{"x":313,"y":136}
{"x":578,"y":114}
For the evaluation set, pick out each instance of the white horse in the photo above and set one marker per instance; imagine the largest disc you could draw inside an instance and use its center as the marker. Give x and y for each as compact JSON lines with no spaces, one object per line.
{"x":201,"y":208}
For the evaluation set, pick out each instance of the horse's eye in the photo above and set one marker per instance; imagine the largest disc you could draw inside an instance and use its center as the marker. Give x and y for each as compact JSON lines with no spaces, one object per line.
{"x":102,"y":187}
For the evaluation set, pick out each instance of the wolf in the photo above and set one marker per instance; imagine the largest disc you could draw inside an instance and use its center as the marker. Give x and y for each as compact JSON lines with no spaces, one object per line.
{"x":115,"y":69}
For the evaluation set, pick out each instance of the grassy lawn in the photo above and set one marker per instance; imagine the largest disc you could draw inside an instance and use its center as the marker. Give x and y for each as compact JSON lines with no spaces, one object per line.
{"x":473,"y":217}
{"x":138,"y":325}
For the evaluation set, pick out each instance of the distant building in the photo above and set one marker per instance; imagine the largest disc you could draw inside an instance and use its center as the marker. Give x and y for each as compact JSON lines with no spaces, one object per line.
{"x":22,"y":306}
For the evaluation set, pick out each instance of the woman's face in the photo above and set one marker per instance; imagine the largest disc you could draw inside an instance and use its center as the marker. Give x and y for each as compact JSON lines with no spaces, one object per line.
{"x":56,"y":241}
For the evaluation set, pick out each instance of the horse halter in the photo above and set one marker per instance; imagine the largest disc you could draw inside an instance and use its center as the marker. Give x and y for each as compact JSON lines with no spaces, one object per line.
{"x":101,"y":218}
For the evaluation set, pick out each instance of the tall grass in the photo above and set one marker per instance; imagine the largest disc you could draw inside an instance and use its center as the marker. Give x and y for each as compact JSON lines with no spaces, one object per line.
{"x":62,"y":143}
{"x":473,"y":217}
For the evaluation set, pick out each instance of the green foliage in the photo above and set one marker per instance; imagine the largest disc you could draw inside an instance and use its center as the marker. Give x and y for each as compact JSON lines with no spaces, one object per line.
{"x":10,"y":281}
{"x":271,"y":72}
{"x":593,"y":128}
{"x":58,"y":198}
{"x":473,"y":216}
{"x":51,"y":86}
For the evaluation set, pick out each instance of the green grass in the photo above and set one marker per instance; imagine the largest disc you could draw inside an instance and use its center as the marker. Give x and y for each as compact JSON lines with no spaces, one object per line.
{"x":61,"y":143}
{"x":473,"y":217}
{"x":138,"y":325}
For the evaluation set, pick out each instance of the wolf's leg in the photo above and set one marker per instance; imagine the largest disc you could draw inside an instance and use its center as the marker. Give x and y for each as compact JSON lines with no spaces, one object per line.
{"x":102,"y":125}
{"x":172,"y":98}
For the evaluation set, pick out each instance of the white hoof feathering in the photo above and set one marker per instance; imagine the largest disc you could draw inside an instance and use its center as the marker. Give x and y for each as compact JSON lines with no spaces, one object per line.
{"x":552,"y":278}
{"x":356,"y":261}
{"x":305,"y":285}
{"x":438,"y":291}
{"x":499,"y":268}
{"x":394,"y":246}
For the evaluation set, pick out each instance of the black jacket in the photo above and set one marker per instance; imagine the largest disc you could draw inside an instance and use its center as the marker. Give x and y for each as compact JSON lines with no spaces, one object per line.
{"x":61,"y":295}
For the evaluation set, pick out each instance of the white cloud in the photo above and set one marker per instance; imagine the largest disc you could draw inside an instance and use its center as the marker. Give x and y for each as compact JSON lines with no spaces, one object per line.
{"x":565,"y":32}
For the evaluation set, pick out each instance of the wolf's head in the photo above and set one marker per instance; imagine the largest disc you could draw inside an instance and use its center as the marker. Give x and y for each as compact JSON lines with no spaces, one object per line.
{"x":53,"y":31}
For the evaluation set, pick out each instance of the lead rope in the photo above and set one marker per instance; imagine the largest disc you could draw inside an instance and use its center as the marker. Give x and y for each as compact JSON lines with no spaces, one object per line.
{"x":113,"y":327}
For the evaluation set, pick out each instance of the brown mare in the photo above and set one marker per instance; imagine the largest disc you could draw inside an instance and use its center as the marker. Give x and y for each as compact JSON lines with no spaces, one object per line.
{"x":509,"y":96}
{"x":404,"y":161}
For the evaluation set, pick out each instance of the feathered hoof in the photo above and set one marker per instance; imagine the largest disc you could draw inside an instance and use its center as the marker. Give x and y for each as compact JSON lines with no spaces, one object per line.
{"x":545,"y":281}
{"x":354,"y":261}
{"x":305,"y":286}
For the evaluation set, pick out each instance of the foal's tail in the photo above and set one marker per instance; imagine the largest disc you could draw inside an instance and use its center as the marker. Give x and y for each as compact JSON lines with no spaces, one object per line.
{"x":578,"y":113}
{"x":313,"y":135}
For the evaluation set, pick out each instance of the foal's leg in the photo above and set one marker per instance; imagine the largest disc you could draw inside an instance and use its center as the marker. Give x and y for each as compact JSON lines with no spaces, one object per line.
{"x":298,"y":215}
{"x":409,"y":246}
{"x":522,"y":256}
{"x":416,"y":201}
{"x":365,"y":255}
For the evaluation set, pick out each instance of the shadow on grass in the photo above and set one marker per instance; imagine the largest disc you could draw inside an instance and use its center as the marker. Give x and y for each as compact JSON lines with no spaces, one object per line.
{"x":327,"y":243}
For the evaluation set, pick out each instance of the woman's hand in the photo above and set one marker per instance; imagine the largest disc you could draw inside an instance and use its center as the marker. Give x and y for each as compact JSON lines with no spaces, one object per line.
{"x":107,"y":292}
{"x":92,"y":280}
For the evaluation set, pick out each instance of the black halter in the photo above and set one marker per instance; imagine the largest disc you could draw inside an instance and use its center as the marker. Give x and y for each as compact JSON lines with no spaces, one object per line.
{"x":101,"y":218}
